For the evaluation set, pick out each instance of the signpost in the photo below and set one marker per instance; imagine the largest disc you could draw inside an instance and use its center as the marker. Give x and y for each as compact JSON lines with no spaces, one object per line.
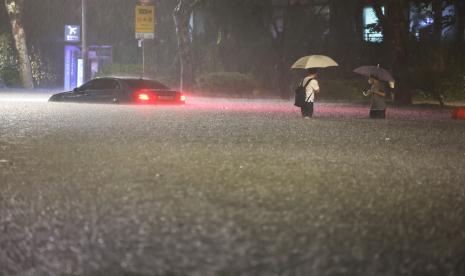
{"x":72,"y":61}
{"x":72,"y":33}
{"x":144,"y":26}
{"x":145,"y":22}
{"x":84,"y":40}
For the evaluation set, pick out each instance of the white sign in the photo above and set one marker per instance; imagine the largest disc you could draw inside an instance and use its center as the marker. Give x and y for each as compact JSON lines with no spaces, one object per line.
{"x":80,"y":71}
{"x":72,"y":33}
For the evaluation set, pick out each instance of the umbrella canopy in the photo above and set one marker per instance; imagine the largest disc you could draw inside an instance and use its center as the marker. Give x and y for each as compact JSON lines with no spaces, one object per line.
{"x":375,"y":71}
{"x":314,"y":61}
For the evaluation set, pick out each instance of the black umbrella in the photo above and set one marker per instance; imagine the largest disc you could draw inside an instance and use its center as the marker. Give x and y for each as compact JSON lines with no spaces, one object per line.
{"x":375,"y":71}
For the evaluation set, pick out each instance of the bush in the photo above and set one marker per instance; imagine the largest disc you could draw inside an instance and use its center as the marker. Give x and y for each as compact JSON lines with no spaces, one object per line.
{"x":42,"y":73}
{"x":342,"y":90}
{"x":9,"y":73}
{"x":453,"y":87}
{"x":9,"y":77}
{"x":226,"y":83}
{"x":430,"y":85}
{"x":117,"y":69}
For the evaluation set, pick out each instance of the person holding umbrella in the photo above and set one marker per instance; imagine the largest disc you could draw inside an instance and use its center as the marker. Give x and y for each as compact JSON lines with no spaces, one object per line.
{"x":378,"y":90}
{"x":311,"y":88}
{"x":310,"y":82}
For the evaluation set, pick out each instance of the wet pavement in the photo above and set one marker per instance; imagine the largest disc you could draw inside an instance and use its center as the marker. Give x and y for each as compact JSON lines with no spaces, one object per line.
{"x":228,"y":187}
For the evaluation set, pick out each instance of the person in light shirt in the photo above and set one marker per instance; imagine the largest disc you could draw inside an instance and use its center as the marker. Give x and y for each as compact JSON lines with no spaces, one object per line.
{"x":311,"y":89}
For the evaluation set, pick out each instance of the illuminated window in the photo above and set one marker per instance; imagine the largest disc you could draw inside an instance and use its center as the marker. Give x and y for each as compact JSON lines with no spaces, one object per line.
{"x":371,"y":26}
{"x":422,"y":21}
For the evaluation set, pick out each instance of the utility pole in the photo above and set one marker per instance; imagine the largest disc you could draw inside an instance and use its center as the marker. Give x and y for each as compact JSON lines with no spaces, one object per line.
{"x":144,"y":26}
{"x":143,"y":57}
{"x":141,"y":44}
{"x":84,"y":39}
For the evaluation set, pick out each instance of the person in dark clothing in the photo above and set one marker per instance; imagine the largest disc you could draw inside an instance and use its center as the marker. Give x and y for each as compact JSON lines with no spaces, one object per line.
{"x":378,"y":92}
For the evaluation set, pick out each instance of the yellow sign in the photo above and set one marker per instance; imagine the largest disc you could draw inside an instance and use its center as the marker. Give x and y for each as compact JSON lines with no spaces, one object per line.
{"x":145,"y":22}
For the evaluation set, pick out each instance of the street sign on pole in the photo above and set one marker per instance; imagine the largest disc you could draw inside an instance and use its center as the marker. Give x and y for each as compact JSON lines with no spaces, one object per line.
{"x":84,"y":39}
{"x":145,"y":22}
{"x":72,"y":33}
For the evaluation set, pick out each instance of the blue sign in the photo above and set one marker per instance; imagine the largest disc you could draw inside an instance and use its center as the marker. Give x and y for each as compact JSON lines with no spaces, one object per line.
{"x":72,"y":54}
{"x":72,"y":33}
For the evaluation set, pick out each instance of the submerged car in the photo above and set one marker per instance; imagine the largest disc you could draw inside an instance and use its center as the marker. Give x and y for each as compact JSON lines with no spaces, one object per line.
{"x":121,"y":90}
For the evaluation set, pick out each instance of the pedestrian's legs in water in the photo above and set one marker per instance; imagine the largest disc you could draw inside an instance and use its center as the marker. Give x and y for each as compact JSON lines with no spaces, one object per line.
{"x":307,"y":110}
{"x":377,"y":114}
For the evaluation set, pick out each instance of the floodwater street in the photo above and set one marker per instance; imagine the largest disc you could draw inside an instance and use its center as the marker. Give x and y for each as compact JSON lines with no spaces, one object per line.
{"x":229,"y":187}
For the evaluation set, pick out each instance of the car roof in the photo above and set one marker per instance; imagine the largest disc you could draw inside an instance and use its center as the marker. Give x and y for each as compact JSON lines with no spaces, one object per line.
{"x":135,"y":82}
{"x":125,"y":78}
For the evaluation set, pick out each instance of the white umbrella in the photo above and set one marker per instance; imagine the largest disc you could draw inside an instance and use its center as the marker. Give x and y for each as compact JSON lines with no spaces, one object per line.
{"x":314,"y":61}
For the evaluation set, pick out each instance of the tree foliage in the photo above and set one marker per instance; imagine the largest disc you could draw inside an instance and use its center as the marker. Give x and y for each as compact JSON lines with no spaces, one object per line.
{"x":14,"y":9}
{"x":261,"y":38}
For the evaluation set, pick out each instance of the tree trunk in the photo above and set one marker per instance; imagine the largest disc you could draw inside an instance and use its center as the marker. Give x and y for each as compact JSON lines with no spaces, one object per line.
{"x":396,"y":29}
{"x":283,"y":71}
{"x":460,"y":19}
{"x":439,"y":64}
{"x":382,"y":18}
{"x":15,"y":9}
{"x":358,"y":21}
{"x":437,"y":25}
{"x":181,"y":15}
{"x":344,"y":15}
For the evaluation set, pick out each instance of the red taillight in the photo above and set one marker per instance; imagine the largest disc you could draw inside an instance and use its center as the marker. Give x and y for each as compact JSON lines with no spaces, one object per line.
{"x":144,"y":96}
{"x":182,"y":98}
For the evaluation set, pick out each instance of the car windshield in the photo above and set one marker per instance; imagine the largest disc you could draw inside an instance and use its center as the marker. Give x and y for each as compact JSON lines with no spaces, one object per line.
{"x":146,"y":84}
{"x":100,"y":84}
